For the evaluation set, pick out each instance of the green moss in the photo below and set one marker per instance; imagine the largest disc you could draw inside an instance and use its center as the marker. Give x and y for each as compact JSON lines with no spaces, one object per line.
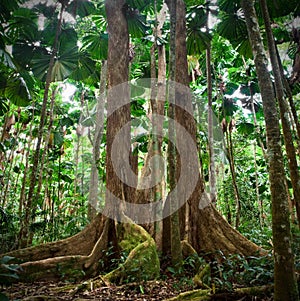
{"x":195,"y":295}
{"x":130,"y":235}
{"x":142,"y":262}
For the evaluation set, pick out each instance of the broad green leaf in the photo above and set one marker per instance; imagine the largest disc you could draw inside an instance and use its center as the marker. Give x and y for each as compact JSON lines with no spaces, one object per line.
{"x":233,"y":28}
{"x":281,"y":8}
{"x":229,"y":106}
{"x":23,"y":53}
{"x":6,"y":7}
{"x":2,"y":38}
{"x":96,"y":44}
{"x":67,"y":40}
{"x":86,"y":69}
{"x":66,"y":178}
{"x":40,"y":65}
{"x":6,"y":59}
{"x":196,"y":17}
{"x":17,"y":91}
{"x":230,"y":6}
{"x":296,"y":89}
{"x":197,"y":41}
{"x":245,"y":128}
{"x":81,"y":8}
{"x":49,"y":31}
{"x":137,"y":25}
{"x":58,"y":139}
{"x":3,"y":107}
{"x":244,"y":49}
{"x":65,"y":64}
{"x":292,"y":50}
{"x":23,"y":24}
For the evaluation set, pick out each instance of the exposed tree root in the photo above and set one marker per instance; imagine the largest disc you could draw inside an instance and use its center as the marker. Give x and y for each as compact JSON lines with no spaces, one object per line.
{"x":80,"y":256}
{"x":201,"y":295}
{"x":210,"y":232}
{"x":71,"y":267}
{"x":142,"y":262}
{"x":79,"y":244}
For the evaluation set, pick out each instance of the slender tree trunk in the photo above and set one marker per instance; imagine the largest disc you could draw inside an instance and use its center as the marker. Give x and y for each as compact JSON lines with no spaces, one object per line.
{"x":284,"y":271}
{"x":23,"y":236}
{"x":289,"y":94}
{"x":258,"y":199}
{"x":227,"y":129}
{"x":284,"y":110}
{"x":212,"y":167}
{"x":233,"y":175}
{"x":46,"y":141}
{"x":78,"y":145}
{"x":26,"y":169}
{"x":295,"y":77}
{"x":99,"y":123}
{"x":158,"y":108}
{"x":156,"y":111}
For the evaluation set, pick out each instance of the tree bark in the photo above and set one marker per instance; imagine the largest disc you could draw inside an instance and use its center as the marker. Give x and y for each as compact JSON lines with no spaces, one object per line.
{"x":118,"y":104}
{"x":118,"y":113}
{"x":212,"y":167}
{"x":284,"y":109}
{"x":284,"y":271}
{"x":176,"y":252}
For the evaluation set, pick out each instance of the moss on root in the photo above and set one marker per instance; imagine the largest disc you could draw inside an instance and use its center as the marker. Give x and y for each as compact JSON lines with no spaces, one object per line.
{"x":142,"y":262}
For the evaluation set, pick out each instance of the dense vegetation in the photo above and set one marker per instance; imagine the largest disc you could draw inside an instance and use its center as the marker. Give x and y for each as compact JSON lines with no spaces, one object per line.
{"x":55,"y":126}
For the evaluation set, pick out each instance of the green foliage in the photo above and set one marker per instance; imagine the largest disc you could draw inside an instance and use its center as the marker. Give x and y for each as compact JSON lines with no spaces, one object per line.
{"x":3,"y":107}
{"x":8,"y":271}
{"x":233,"y":271}
{"x":60,"y":207}
{"x":198,"y":38}
{"x":23,"y":24}
{"x":96,"y":43}
{"x":81,"y":8}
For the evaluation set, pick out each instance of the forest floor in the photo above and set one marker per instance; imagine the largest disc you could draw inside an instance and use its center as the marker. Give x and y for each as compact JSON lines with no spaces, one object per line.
{"x":146,"y":291}
{"x":153,"y":290}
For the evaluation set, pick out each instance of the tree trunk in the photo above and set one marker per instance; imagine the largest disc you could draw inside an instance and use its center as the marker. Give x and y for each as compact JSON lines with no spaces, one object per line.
{"x":258,"y":199}
{"x":284,"y":272}
{"x":202,"y":215}
{"x":284,"y":110}
{"x":118,"y":149}
{"x":176,"y":252}
{"x":212,"y":167}
{"x":118,"y":103}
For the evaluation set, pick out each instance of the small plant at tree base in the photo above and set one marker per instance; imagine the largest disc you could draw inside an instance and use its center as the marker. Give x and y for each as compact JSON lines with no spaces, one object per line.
{"x":8,"y":273}
{"x":236,"y":270}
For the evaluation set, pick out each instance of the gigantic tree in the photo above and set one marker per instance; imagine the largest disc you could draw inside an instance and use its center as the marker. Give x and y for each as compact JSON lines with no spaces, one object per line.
{"x":284,"y":273}
{"x":208,"y":231}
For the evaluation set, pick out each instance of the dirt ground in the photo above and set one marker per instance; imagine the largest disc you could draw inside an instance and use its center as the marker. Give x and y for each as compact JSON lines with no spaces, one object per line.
{"x":153,"y":290}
